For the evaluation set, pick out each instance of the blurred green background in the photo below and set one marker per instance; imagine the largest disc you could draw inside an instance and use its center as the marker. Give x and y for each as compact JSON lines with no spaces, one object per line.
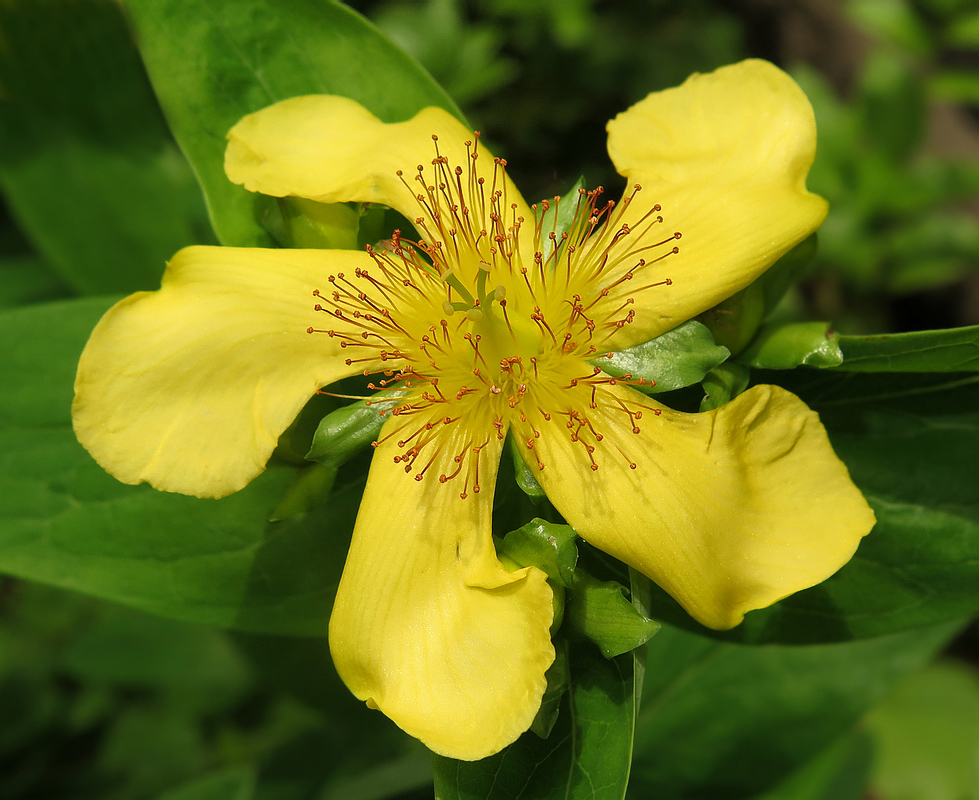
{"x":97,"y":701}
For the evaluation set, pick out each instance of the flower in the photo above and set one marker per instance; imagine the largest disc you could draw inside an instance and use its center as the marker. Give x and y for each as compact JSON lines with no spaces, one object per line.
{"x":494,"y":327}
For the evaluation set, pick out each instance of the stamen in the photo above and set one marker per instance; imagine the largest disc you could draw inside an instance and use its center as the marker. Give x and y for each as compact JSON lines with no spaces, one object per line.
{"x":421,"y":314}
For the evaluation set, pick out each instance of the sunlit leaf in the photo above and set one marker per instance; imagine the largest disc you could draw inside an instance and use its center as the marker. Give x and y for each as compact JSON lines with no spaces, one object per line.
{"x":951,"y":350}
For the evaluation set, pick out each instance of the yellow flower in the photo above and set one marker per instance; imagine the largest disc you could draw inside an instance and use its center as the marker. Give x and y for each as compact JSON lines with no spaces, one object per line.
{"x":493,"y":326}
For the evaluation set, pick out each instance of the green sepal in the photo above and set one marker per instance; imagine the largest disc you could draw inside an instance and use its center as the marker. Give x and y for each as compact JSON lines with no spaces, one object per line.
{"x":556,"y":217}
{"x":343,"y":432}
{"x":545,"y":545}
{"x":326,"y":226}
{"x":789,"y":345}
{"x":722,"y":384}
{"x":734,"y":322}
{"x":558,"y":682}
{"x":523,"y":476}
{"x":786,"y":272}
{"x":600,"y":611}
{"x":680,"y":357}
{"x":951,"y":350}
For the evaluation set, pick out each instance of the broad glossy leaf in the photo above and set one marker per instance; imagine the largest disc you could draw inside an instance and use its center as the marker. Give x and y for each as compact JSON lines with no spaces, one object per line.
{"x":65,"y":522}
{"x":310,"y":489}
{"x":86,"y":162}
{"x":213,"y":61}
{"x":910,"y":443}
{"x":730,"y":721}
{"x":681,"y":357}
{"x":951,"y":350}
{"x":28,"y":279}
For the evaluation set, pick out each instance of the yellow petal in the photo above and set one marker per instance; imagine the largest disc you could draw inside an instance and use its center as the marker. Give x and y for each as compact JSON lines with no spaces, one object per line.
{"x":726,"y":156}
{"x":188,"y":388}
{"x":333,"y":150}
{"x":728,"y":511}
{"x":428,"y":626}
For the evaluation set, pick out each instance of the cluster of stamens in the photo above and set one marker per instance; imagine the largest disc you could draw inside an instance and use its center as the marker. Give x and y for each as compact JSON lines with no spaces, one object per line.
{"x":487,"y":326}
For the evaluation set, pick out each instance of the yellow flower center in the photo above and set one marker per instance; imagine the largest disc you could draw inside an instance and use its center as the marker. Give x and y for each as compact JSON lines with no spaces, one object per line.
{"x":493,"y":322}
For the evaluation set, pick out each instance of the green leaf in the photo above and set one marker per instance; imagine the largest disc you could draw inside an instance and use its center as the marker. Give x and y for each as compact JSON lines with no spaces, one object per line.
{"x":785,"y":346}
{"x":678,"y":358}
{"x":910,"y":444}
{"x":63,"y":521}
{"x":927,"y":736}
{"x":840,"y":772}
{"x":212,"y":62}
{"x":724,"y":720}
{"x":951,"y":350}
{"x":599,"y":611}
{"x":29,"y":280}
{"x":86,"y":162}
